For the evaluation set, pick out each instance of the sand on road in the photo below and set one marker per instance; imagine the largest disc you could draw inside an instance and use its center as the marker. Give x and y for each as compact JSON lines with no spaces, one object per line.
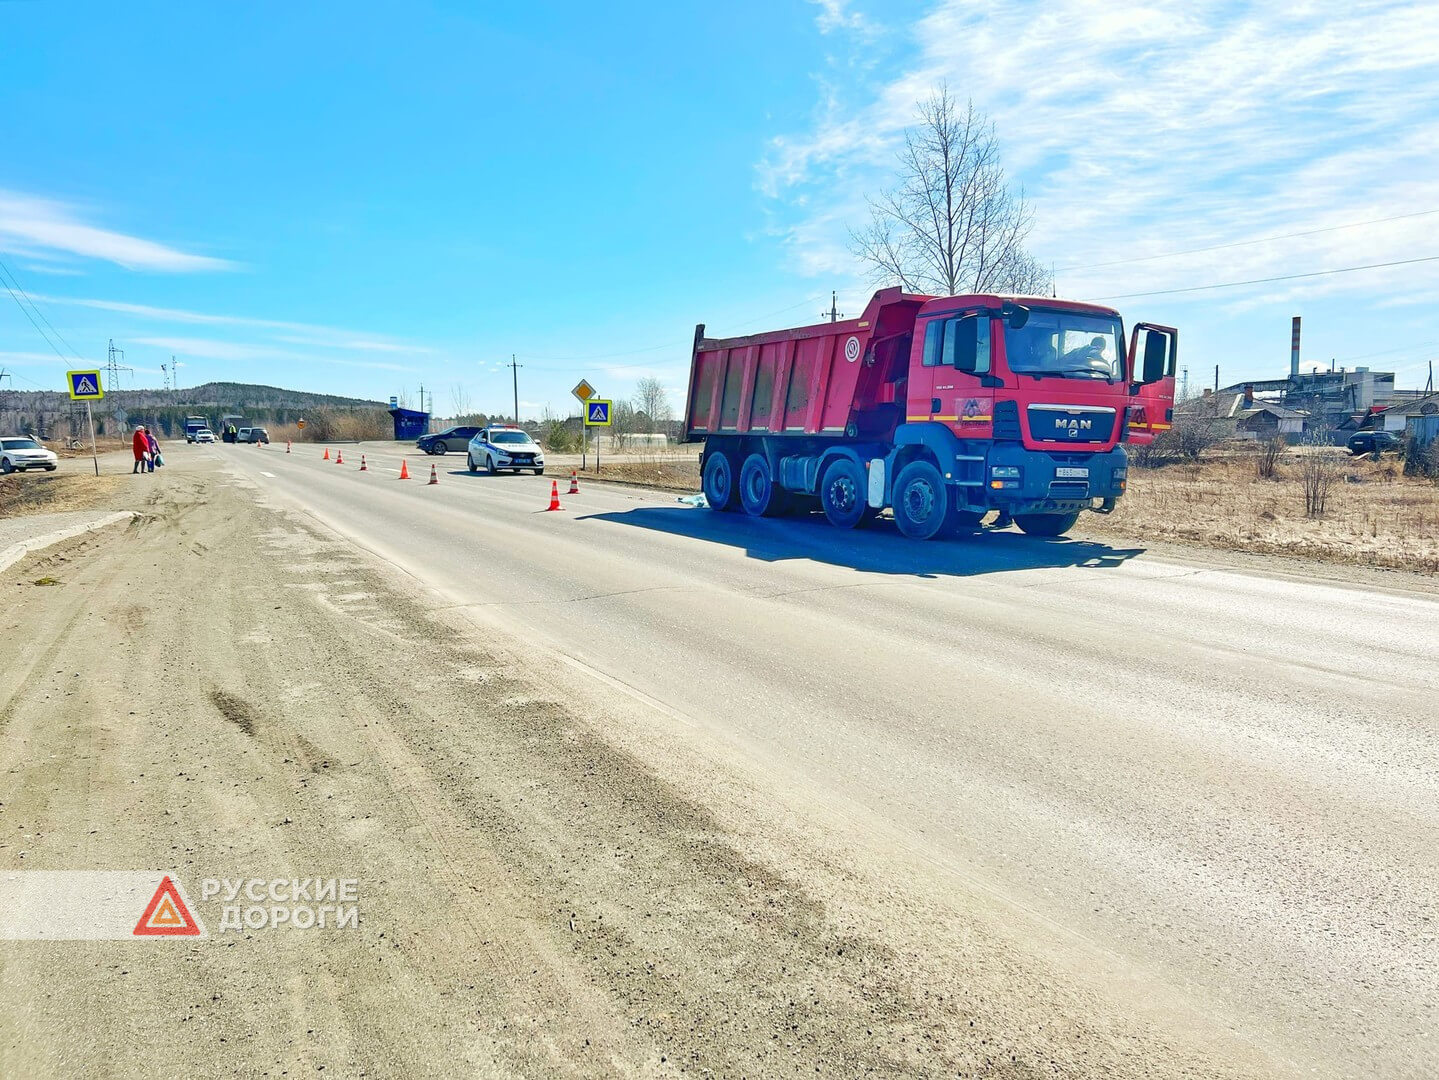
{"x":224,"y":689}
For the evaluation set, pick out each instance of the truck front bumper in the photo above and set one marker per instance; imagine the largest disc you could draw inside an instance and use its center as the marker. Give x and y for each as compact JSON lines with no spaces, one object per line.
{"x":1024,"y":481}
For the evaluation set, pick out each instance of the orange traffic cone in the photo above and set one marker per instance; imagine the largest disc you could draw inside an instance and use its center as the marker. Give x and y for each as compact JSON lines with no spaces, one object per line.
{"x":404,"y":470}
{"x":434,"y":476}
{"x":363,"y":466}
{"x":327,"y":454}
{"x":574,"y":484}
{"x":554,"y":496}
{"x":287,"y":446}
{"x":339,"y":457}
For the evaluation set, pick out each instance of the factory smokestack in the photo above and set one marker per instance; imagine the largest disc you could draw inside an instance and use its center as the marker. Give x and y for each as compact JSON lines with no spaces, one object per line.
{"x":1294,"y":350}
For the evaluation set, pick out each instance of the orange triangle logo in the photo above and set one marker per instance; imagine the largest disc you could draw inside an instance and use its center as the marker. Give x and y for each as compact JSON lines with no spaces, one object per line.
{"x":166,"y":915}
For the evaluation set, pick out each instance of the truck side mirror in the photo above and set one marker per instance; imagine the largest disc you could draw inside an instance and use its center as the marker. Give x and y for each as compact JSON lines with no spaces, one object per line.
{"x":1156,"y":357}
{"x":970,"y":349}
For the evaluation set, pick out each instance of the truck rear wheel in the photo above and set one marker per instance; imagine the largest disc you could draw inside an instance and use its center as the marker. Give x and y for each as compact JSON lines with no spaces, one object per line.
{"x":758,"y":493}
{"x":1046,"y":524}
{"x":921,"y":501}
{"x":718,"y":482}
{"x":842,"y":495}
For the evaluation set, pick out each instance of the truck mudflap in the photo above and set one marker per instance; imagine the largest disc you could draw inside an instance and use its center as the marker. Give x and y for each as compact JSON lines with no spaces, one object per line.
{"x":1023,"y":481}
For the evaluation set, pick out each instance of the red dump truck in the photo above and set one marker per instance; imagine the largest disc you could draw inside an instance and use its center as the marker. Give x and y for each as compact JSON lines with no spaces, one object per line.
{"x":942,"y":408}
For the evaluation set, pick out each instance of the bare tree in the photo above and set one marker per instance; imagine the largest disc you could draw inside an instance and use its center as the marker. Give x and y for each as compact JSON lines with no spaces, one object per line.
{"x":652,"y":400}
{"x":953,"y":224}
{"x":460,"y":398}
{"x":1319,"y":470}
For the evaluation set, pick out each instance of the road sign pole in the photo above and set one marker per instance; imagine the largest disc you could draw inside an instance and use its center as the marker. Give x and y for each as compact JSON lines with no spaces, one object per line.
{"x":584,"y":447}
{"x":94,"y":450}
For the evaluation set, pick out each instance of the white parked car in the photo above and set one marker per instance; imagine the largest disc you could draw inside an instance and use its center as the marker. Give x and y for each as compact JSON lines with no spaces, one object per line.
{"x":500,"y":446}
{"x":20,"y":452}
{"x":204,"y":435}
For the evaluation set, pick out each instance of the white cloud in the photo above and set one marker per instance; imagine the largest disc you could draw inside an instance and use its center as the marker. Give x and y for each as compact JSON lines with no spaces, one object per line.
{"x":30,"y":225}
{"x":839,"y":15}
{"x":1157,"y":127}
{"x":236,"y":351}
{"x":302,"y":333}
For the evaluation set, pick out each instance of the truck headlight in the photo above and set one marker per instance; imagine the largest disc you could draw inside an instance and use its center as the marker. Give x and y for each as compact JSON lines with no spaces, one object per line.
{"x":1005,"y":472}
{"x":1122,"y":473}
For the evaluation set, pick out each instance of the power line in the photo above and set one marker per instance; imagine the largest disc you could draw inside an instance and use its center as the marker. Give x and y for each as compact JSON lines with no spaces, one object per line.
{"x":4,"y":268}
{"x":26,"y":312}
{"x":1247,"y":243}
{"x":1268,"y":280}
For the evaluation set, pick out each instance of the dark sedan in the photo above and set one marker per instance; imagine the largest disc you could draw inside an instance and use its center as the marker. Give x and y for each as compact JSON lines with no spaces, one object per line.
{"x":1372,"y":442}
{"x":442,"y":442}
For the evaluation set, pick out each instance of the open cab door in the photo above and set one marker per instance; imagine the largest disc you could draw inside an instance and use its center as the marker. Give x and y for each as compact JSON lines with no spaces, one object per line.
{"x":1153,"y":360}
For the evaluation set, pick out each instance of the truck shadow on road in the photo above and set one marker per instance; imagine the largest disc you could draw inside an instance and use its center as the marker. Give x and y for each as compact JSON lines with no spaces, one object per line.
{"x":878,"y":549}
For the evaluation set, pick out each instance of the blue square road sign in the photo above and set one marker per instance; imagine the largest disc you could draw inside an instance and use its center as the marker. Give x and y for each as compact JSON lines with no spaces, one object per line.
{"x":597,"y":412}
{"x":84,"y":385}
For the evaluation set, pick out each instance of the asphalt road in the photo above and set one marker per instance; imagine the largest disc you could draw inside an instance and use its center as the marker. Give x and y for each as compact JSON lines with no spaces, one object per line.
{"x":1200,"y":789}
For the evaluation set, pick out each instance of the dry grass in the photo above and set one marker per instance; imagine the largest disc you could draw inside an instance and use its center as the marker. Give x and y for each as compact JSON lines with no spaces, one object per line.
{"x":1375,"y":516}
{"x":669,"y":474}
{"x":23,"y":494}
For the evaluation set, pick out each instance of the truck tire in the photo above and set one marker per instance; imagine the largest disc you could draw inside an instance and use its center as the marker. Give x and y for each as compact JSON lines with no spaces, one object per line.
{"x":718,"y":483}
{"x":758,"y":493}
{"x":1046,"y":524}
{"x":842,"y":495}
{"x":921,"y":501}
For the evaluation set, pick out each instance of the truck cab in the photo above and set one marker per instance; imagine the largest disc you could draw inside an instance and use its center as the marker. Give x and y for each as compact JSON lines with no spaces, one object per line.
{"x":1024,"y":402}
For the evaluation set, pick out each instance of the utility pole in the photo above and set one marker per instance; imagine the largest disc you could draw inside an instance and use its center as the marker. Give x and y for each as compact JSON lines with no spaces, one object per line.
{"x":113,"y":367}
{"x":1183,"y":384}
{"x":1216,"y":378}
{"x":515,"y":376}
{"x":834,"y":313}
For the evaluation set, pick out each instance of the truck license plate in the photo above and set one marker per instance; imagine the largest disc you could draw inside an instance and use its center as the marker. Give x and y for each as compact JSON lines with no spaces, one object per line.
{"x":1071,"y":473}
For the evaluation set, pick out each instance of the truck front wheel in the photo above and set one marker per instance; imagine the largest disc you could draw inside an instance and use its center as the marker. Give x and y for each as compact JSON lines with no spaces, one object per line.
{"x":1046,"y":524}
{"x":921,"y":501}
{"x":842,"y":494}
{"x":758,"y":493}
{"x":718,"y":481}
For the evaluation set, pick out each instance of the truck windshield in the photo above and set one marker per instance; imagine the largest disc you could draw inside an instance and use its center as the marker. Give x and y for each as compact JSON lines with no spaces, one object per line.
{"x":1066,"y":344}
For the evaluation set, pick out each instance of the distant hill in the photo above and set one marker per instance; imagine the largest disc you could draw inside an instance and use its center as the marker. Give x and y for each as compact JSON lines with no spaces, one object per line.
{"x":51,"y":412}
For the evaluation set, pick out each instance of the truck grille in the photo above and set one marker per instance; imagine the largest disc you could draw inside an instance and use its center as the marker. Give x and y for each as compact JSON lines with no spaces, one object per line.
{"x":1063,"y":424}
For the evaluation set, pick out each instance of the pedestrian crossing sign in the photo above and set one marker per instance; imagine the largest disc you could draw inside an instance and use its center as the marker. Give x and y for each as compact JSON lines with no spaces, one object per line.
{"x":597,"y":412}
{"x":85,"y":385}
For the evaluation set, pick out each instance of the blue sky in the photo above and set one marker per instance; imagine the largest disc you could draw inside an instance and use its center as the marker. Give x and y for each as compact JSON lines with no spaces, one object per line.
{"x":360,"y":199}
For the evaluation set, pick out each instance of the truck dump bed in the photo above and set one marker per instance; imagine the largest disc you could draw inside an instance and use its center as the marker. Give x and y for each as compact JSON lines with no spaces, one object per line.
{"x":811,"y":380}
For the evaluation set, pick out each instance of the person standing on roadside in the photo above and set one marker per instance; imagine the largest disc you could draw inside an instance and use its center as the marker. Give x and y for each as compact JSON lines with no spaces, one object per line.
{"x":140,"y":444}
{"x":154,"y":444}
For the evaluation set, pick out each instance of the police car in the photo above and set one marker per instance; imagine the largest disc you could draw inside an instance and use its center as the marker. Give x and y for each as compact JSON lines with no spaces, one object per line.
{"x":501,"y":446}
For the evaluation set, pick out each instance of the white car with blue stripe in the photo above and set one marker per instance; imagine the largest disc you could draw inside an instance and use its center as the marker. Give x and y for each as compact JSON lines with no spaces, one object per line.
{"x":504,"y":447}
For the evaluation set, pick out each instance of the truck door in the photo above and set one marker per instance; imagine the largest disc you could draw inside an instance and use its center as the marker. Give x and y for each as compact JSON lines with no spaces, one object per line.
{"x":948,"y":384}
{"x":1153,"y":359}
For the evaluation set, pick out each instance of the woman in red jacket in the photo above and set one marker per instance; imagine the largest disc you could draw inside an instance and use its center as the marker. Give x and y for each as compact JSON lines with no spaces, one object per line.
{"x":141,"y":446}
